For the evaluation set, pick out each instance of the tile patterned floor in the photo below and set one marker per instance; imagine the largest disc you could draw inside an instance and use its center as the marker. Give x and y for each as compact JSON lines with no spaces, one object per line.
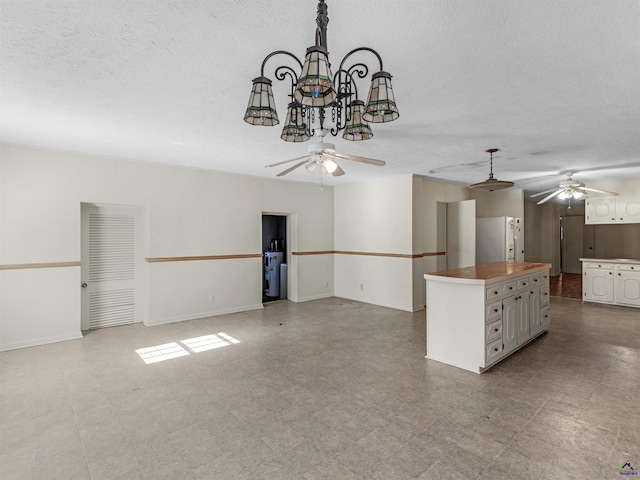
{"x":329,"y":389}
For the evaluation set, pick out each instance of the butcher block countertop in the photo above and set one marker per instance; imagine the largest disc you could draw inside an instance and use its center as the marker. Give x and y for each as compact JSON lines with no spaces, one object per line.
{"x":631,"y":261}
{"x":488,"y":273}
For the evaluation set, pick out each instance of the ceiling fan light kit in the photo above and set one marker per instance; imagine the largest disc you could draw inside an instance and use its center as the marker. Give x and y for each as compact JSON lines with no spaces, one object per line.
{"x":324,"y":155}
{"x":492,"y":183}
{"x":570,"y":189}
{"x":316,"y":92}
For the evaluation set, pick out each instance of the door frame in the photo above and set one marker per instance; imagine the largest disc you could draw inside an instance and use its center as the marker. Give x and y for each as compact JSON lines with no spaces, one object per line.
{"x":291,"y":245}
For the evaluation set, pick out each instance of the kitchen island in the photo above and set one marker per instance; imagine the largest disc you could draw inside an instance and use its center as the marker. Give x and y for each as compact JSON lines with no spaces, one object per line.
{"x":477,"y":316}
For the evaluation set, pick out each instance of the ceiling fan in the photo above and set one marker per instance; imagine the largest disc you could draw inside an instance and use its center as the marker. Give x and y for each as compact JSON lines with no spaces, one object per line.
{"x":570,"y":189}
{"x":322,"y":157}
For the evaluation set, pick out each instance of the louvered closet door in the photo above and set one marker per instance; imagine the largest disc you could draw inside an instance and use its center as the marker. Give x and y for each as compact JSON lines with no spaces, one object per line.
{"x":109,"y":266}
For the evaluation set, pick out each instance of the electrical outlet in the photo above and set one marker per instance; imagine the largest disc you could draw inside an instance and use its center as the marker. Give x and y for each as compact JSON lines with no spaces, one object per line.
{"x":212,"y":298}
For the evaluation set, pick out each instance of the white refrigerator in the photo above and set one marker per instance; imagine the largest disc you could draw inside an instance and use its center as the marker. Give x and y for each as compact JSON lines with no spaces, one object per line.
{"x":499,"y":239}
{"x":272,"y":261}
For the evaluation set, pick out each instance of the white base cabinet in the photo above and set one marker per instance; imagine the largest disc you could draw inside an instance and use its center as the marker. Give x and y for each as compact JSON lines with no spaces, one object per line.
{"x":614,"y":281}
{"x":475,"y":323}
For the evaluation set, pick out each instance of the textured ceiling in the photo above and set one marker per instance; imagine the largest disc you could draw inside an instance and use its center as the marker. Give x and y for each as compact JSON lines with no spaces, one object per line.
{"x":555,"y":84}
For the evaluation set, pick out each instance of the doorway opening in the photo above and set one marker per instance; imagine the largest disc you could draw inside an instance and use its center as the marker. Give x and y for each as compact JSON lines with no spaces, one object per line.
{"x":274,"y":265}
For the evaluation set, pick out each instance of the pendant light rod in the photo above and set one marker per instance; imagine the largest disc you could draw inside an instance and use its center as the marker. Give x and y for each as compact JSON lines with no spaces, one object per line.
{"x":322,"y":20}
{"x":491,"y":151}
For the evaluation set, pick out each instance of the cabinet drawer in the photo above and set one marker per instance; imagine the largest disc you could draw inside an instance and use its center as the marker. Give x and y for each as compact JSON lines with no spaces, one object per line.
{"x":493,"y":312}
{"x":494,"y":292}
{"x":534,"y":280}
{"x":544,"y":278}
{"x":544,"y":295}
{"x":509,"y":288}
{"x":545,"y":318}
{"x":493,"y":331}
{"x":494,"y":351}
{"x":523,"y":283}
{"x":600,"y":266}
{"x":628,"y":268}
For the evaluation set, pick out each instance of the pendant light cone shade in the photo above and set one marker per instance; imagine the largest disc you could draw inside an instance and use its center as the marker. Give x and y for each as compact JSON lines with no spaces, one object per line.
{"x":381,"y":106}
{"x":315,"y":87}
{"x":295,"y":128}
{"x":262,"y":108}
{"x":356,"y":128}
{"x":492,"y":183}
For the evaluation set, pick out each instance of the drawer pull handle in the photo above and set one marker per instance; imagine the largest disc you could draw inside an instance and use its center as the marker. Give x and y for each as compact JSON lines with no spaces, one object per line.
{"x":495,"y":329}
{"x":495,"y":349}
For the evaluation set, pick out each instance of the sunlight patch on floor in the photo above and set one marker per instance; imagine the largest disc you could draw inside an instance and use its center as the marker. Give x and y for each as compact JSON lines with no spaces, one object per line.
{"x":171,"y":350}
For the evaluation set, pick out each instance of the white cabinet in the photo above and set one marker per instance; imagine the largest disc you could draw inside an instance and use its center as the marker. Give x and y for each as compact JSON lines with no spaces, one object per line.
{"x":495,"y":319}
{"x":623,"y":209}
{"x":509,"y":325}
{"x":535,"y":311}
{"x":628,"y":210}
{"x":627,"y":285}
{"x":522,"y":317}
{"x":597,"y":282}
{"x":615,"y":282}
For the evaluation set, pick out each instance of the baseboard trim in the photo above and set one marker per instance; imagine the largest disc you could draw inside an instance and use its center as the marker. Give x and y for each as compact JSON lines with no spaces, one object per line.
{"x":40,"y":341}
{"x":312,"y":297}
{"x":198,"y":316}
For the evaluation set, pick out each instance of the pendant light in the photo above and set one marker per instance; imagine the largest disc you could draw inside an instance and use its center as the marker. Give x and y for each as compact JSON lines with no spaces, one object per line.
{"x":492,"y":183}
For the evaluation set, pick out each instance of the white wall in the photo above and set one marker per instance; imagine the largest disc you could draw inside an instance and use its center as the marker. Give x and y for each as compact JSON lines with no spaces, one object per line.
{"x":398,"y":215}
{"x":429,"y":234}
{"x":374,"y":217}
{"x":191,"y":212}
{"x":501,"y":203}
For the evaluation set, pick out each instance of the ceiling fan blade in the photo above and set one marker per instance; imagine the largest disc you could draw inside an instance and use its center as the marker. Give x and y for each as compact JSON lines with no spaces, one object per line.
{"x":338,"y":172}
{"x":353,"y":158}
{"x":598,"y":191}
{"x":287,"y":161}
{"x":557,"y":192}
{"x":542,"y":193}
{"x":290,"y":169}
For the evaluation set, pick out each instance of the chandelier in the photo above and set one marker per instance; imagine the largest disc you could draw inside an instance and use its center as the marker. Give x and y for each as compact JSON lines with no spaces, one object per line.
{"x":316,"y":93}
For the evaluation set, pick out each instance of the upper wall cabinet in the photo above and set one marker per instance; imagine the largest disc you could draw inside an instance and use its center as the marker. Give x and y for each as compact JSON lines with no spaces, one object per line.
{"x":621,"y":209}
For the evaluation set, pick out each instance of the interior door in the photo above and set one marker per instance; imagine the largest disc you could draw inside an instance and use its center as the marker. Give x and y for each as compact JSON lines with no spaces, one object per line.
{"x":461,"y":234}
{"x":572,"y":244}
{"x":112,"y":265}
